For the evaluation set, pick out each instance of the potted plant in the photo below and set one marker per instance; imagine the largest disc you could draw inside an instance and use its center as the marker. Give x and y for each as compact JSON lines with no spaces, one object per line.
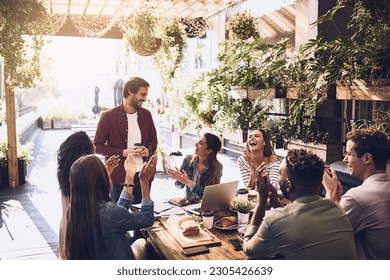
{"x":243,"y":208}
{"x":195,"y":27}
{"x":242,"y":26}
{"x":21,"y":53}
{"x":24,"y":153}
{"x":141,"y":32}
{"x":169,"y":58}
{"x":253,"y":68}
{"x":357,"y":63}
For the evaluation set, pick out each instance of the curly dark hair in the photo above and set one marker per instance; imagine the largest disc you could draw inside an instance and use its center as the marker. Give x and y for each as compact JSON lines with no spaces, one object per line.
{"x":372,"y":141}
{"x":75,"y":146}
{"x":304,"y":168}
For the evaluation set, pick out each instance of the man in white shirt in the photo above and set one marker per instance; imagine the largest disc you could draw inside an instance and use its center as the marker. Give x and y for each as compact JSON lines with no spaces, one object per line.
{"x":368,"y":205}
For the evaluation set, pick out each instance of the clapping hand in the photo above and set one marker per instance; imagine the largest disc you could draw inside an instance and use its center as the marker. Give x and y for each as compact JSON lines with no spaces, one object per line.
{"x":130,"y":165}
{"x":332,"y":185}
{"x":180,"y":176}
{"x":112,"y":163}
{"x":148,"y":169}
{"x":263,"y":184}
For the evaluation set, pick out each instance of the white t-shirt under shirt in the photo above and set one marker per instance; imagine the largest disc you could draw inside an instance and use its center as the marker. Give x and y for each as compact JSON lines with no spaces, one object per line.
{"x":134,"y":136}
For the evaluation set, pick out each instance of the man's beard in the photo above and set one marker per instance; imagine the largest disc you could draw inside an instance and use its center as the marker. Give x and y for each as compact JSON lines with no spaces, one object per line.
{"x":136,"y":104}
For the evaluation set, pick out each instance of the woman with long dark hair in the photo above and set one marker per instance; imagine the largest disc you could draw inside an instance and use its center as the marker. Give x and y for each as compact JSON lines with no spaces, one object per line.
{"x":76,"y":145}
{"x":259,"y":151}
{"x":199,"y":170}
{"x":96,"y":226}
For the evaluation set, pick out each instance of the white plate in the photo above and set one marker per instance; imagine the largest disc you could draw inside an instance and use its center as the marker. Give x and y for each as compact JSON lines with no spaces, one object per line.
{"x":234,"y":226}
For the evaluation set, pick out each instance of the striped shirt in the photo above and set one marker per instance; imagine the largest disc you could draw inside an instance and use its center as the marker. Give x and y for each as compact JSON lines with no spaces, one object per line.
{"x":271,"y":170}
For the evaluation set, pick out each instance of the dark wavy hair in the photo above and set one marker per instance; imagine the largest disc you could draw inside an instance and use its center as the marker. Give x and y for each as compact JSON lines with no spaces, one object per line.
{"x":89,"y":186}
{"x":75,"y":146}
{"x":372,"y":141}
{"x":305,"y":169}
{"x":214,"y":143}
{"x":268,"y":149}
{"x":133,"y":85}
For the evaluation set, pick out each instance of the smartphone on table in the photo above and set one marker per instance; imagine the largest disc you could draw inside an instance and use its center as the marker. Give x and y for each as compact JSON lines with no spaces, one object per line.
{"x":195,"y":250}
{"x":236,"y":244}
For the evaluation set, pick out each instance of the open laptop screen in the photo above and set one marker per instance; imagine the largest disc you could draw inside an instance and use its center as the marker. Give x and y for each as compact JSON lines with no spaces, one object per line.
{"x":215,"y":197}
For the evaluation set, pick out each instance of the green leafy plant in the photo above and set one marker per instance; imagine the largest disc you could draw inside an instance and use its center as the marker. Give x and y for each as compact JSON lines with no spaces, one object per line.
{"x":241,"y":205}
{"x":170,"y":56}
{"x":195,"y":27}
{"x":141,"y":32}
{"x":364,"y":55}
{"x":381,"y":122}
{"x":21,"y":53}
{"x":253,"y":63}
{"x":242,"y":26}
{"x":24,"y":152}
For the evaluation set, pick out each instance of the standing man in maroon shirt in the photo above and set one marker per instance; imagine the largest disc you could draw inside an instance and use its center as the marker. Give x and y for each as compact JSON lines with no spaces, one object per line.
{"x":127,"y":129}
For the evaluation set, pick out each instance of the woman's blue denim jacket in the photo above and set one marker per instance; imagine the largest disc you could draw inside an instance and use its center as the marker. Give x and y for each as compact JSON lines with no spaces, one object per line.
{"x":190,"y":170}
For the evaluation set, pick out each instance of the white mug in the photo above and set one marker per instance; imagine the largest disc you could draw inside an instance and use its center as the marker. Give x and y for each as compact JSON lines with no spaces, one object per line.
{"x":208,"y":219}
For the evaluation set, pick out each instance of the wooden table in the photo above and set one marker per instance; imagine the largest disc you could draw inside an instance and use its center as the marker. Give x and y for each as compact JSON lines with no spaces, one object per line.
{"x":168,"y":248}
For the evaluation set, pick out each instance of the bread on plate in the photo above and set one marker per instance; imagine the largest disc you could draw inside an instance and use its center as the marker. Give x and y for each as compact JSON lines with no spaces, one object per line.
{"x":227,"y":221}
{"x":188,"y":226}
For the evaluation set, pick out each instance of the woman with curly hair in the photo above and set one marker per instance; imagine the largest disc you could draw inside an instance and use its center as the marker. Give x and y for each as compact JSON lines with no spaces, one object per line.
{"x":76,"y":145}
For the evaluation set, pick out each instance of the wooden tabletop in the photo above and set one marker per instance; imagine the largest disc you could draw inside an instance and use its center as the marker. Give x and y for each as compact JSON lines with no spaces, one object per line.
{"x":168,"y":248}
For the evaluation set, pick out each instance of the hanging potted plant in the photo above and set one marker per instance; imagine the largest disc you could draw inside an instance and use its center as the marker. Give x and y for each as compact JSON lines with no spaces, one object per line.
{"x":242,"y":26}
{"x":141,"y":32}
{"x":170,"y":56}
{"x":195,"y":27}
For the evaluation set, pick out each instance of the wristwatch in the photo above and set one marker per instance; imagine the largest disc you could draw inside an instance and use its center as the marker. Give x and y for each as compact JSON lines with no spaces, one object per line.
{"x":128,"y":185}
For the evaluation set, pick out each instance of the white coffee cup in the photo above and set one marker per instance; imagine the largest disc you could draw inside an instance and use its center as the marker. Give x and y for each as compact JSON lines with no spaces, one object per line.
{"x":208,"y":218}
{"x":242,"y":194}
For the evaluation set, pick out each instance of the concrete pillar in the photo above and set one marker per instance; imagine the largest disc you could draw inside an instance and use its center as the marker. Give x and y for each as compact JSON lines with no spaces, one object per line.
{"x":306,"y":14}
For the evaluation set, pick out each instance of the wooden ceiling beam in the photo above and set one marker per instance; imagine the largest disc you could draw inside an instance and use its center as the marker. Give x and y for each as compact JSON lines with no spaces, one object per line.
{"x":85,"y":7}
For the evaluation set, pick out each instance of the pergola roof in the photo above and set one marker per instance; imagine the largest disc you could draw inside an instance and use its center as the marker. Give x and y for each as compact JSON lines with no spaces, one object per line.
{"x":166,"y":8}
{"x":99,"y":18}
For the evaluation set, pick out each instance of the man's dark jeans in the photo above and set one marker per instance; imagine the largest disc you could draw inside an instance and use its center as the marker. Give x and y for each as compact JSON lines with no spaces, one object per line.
{"x":117,"y":189}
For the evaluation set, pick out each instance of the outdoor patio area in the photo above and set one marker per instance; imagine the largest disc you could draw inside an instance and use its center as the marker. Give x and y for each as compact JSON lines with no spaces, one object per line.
{"x":30,"y":214}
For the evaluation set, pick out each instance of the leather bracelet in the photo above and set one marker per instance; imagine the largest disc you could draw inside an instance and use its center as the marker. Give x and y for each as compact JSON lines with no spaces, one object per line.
{"x":128,"y":185}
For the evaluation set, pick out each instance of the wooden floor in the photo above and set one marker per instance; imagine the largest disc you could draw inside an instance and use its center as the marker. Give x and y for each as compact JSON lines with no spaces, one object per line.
{"x":30,"y":214}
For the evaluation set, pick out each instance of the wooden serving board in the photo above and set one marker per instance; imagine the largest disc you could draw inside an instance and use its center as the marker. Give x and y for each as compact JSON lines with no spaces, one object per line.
{"x":205,"y":237}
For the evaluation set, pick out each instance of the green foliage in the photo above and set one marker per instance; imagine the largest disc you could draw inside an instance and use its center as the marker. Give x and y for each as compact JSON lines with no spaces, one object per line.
{"x":381,"y":122}
{"x":170,"y":56}
{"x":207,"y":97}
{"x":24,"y":152}
{"x":21,"y":53}
{"x":253,"y":63}
{"x":141,"y":32}
{"x":364,"y":55}
{"x":242,"y":114}
{"x":242,"y":26}
{"x":242,"y":206}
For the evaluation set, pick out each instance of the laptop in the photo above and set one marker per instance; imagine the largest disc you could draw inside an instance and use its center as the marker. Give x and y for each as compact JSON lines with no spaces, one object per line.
{"x":215,"y":197}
